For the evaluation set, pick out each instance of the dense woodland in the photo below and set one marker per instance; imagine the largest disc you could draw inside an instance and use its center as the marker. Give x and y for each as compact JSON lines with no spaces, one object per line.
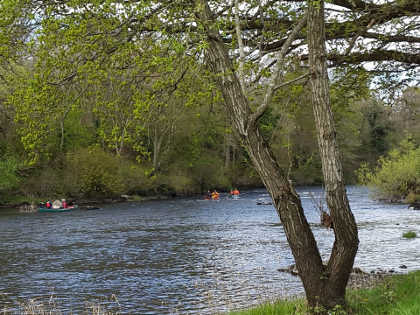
{"x":89,"y":108}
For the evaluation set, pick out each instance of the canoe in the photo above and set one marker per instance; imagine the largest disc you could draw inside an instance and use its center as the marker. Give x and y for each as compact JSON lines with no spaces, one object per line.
{"x":58,"y":210}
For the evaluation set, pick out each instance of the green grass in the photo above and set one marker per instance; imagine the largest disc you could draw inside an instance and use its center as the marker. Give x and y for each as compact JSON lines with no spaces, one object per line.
{"x":398,"y":295}
{"x":275,"y":308}
{"x":409,"y":234}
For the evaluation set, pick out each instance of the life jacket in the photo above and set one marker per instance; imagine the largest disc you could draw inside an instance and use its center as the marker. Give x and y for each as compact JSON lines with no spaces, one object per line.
{"x":48,"y":204}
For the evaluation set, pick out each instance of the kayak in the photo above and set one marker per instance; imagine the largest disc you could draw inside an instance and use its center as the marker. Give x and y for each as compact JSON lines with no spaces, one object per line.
{"x":43,"y":209}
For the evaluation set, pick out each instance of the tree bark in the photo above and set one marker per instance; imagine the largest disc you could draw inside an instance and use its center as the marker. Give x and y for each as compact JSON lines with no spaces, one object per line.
{"x":157,"y":146}
{"x":284,"y":196}
{"x":324,"y":285}
{"x":345,"y":229}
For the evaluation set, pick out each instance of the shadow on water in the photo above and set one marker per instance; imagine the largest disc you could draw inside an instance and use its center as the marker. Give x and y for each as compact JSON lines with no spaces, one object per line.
{"x":181,"y":256}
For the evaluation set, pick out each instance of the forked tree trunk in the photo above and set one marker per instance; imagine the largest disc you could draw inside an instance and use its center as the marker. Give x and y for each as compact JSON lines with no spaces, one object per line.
{"x":345,"y":229}
{"x":324,"y":286}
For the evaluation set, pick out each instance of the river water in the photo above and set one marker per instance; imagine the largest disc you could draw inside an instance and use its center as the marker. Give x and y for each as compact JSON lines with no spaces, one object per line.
{"x":181,"y":256}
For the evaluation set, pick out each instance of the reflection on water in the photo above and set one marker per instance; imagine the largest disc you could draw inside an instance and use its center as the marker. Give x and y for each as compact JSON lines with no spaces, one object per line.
{"x":181,"y":256}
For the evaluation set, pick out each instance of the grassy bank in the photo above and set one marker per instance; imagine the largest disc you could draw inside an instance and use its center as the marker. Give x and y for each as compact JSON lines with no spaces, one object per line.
{"x":397,"y":295}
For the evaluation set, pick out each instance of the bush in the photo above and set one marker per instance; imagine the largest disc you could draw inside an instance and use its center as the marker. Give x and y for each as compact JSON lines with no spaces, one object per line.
{"x":397,"y":175}
{"x":46,"y":182}
{"x":8,"y":176}
{"x":94,"y":173}
{"x":410,"y":234}
{"x":188,"y":177}
{"x":88,"y":172}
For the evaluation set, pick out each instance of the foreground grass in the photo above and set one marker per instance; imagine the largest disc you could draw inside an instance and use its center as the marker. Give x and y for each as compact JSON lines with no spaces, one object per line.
{"x":398,"y":295}
{"x":37,"y":307}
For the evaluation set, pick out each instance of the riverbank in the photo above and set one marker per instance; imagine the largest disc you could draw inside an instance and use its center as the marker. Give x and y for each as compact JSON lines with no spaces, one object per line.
{"x":27,"y":204}
{"x":396,"y":294}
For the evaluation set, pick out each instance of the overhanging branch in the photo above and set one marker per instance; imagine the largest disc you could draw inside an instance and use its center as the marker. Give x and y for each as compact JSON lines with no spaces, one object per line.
{"x":303,"y":76}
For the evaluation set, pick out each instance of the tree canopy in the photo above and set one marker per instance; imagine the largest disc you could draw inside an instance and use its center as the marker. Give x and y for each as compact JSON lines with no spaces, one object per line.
{"x":128,"y":75}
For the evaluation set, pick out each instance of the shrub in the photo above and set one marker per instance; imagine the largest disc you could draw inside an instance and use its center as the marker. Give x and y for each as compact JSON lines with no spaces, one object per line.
{"x":44,"y":182}
{"x":88,"y":172}
{"x":397,"y":175}
{"x":410,"y":234}
{"x":412,"y":197}
{"x":94,"y":172}
{"x":194,"y":177}
{"x":134,"y":176}
{"x":8,"y":176}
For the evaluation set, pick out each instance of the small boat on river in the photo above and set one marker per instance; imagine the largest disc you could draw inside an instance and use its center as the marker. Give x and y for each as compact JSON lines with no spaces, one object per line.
{"x":69,"y":208}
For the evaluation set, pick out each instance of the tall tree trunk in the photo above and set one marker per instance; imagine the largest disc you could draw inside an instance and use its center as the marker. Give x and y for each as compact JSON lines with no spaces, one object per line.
{"x":324,"y":286}
{"x":157,"y":146}
{"x":284,"y":196}
{"x":345,"y":229}
{"x":228,"y":151}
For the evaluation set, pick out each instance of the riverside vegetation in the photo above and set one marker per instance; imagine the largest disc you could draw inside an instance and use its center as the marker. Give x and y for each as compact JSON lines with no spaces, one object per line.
{"x":147,"y":118}
{"x":397,"y":175}
{"x":398,"y":294}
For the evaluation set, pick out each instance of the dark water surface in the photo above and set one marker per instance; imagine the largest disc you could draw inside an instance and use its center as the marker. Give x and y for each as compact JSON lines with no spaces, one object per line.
{"x":183,"y":256}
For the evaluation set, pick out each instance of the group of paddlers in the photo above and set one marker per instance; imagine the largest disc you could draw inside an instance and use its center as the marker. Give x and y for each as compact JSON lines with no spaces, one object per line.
{"x":214,"y":195}
{"x":56,"y":204}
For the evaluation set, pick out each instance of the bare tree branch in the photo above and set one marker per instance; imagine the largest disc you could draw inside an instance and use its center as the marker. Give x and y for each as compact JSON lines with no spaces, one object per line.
{"x":278,"y":70}
{"x":303,"y":76}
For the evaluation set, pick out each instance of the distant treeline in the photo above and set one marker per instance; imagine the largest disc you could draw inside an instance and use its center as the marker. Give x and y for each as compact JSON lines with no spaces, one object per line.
{"x":111,"y":136}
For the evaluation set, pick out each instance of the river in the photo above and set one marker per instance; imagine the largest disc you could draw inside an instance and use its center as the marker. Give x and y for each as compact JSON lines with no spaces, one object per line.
{"x":180,"y":256}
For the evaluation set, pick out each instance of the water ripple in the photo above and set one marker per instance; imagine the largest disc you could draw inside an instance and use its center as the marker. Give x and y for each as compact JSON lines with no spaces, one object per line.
{"x":182,"y":256}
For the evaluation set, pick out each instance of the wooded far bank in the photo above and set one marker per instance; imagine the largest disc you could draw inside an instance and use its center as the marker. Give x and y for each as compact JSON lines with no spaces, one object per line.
{"x":89,"y":109}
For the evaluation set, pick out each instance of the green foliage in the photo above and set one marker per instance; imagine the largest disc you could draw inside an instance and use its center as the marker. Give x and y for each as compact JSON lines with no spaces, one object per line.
{"x":44,"y":182}
{"x":93,"y":172}
{"x":292,"y":135}
{"x":397,"y":295}
{"x":376,"y":128}
{"x":397,"y":174}
{"x":88,"y":172}
{"x":349,"y":88}
{"x":195,"y":167}
{"x":30,"y":101}
{"x":410,"y":234}
{"x":276,"y":308}
{"x":9,"y":178}
{"x":73,"y":77}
